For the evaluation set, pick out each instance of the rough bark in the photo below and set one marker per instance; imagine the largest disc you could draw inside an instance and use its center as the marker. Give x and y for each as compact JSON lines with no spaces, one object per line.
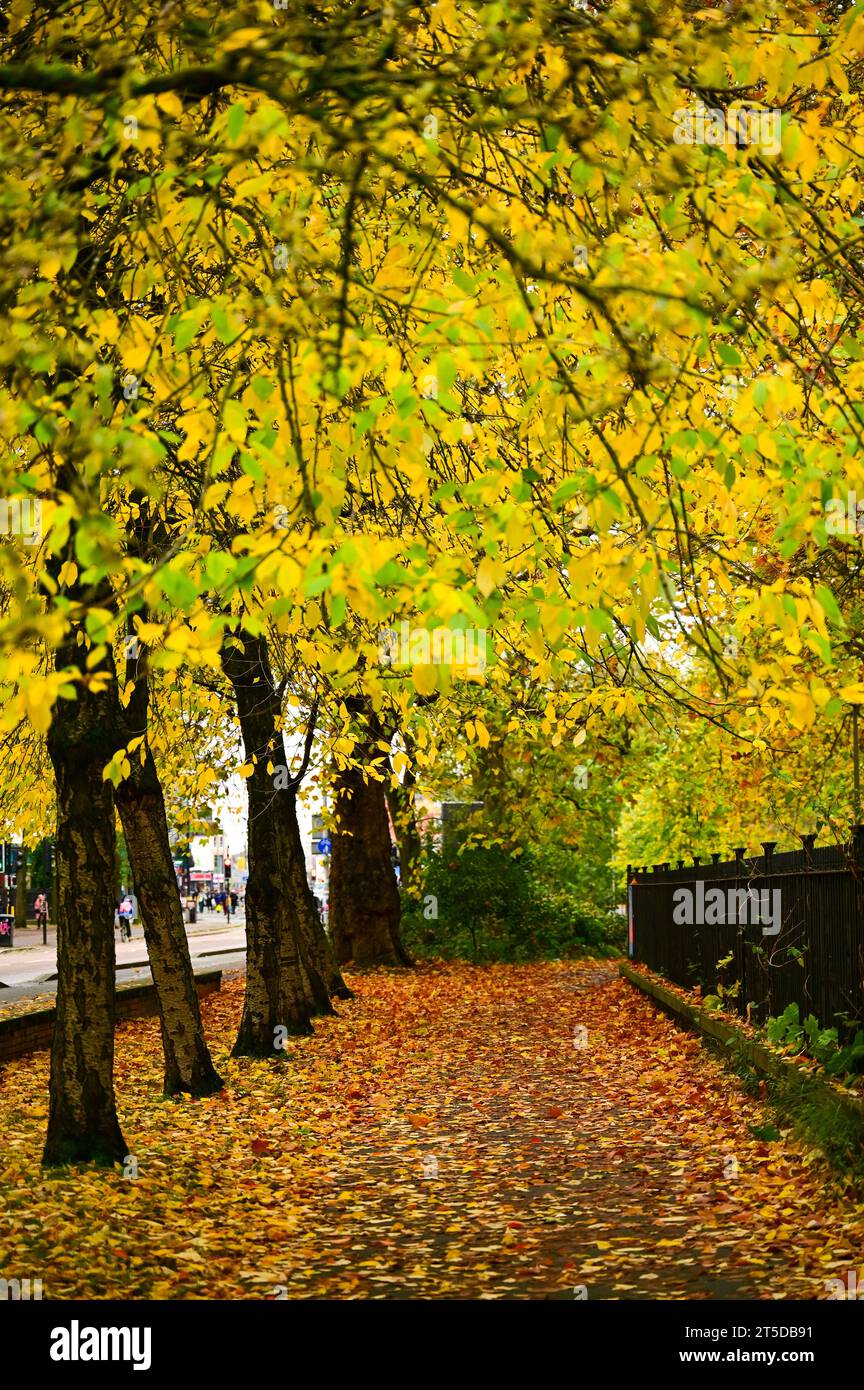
{"x":319,"y":942}
{"x":188,"y":1065}
{"x":139,"y":799}
{"x":401,"y":801}
{"x":283,"y":986}
{"x":82,"y":1118}
{"x":364,"y":897}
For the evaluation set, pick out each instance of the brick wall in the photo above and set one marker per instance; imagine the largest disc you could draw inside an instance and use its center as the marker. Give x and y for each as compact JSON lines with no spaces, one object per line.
{"x":33,"y":1032}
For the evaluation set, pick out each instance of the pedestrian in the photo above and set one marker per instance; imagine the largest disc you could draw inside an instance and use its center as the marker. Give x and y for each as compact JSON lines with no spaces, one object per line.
{"x":126,"y":912}
{"x":234,"y":901}
{"x":316,"y":894}
{"x":40,"y":907}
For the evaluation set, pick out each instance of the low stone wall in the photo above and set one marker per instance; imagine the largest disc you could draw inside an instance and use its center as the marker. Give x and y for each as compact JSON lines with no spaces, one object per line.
{"x":33,"y":1032}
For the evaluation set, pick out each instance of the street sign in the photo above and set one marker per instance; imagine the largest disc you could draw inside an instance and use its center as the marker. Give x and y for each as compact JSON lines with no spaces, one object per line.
{"x":325,"y":845}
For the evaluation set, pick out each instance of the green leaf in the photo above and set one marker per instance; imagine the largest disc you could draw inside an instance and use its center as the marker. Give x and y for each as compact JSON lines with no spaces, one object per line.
{"x":177,"y":587}
{"x":601,"y":621}
{"x":236,"y":121}
{"x":225,"y":331}
{"x":565,"y":492}
{"x":729,"y":355}
{"x":338,"y":607}
{"x":829,"y":604}
{"x":186,"y":331}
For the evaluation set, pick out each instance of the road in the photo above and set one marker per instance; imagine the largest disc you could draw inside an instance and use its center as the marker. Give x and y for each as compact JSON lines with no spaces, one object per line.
{"x":29,"y":970}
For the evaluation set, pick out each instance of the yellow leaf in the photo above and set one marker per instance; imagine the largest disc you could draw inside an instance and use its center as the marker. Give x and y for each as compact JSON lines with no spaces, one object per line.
{"x":425,"y":679}
{"x":488,"y":576}
{"x":216,"y":493}
{"x":170,"y":103}
{"x":241,"y":39}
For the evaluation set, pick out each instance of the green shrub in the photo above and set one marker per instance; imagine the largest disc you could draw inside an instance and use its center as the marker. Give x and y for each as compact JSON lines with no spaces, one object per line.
{"x":484,"y":902}
{"x":823,"y":1044}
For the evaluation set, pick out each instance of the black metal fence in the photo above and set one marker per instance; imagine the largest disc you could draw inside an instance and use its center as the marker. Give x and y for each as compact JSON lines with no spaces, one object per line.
{"x":815,"y":959}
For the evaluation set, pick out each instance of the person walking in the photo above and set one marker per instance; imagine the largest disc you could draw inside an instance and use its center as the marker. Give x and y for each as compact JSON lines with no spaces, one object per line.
{"x":126,"y":912}
{"x":40,"y":908}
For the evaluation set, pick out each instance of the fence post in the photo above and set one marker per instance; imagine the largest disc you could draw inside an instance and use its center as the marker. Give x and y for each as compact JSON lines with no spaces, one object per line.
{"x":697,"y":934}
{"x":768,"y":848}
{"x":740,"y":958}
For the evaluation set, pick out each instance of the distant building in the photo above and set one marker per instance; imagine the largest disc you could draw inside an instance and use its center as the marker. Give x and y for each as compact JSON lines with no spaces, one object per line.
{"x":209,"y":863}
{"x":437,"y":820}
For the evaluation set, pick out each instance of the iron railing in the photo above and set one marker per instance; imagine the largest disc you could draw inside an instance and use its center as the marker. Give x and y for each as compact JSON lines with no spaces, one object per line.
{"x":815,"y":960}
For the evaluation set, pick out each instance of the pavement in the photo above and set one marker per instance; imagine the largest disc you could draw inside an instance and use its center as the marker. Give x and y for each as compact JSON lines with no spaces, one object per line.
{"x":29,"y":968}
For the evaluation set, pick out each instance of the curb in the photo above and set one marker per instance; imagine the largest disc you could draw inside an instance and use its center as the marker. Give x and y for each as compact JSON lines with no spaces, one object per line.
{"x":760,"y":1057}
{"x":128,"y":965}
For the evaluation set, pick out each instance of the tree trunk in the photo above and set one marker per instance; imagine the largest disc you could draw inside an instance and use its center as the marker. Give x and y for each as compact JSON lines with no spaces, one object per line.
{"x":320,"y":945}
{"x":82,"y":1120}
{"x":283,"y":987}
{"x":21,"y":890}
{"x":364,"y":898}
{"x":401,"y":802}
{"x":139,"y":799}
{"x":188,"y":1065}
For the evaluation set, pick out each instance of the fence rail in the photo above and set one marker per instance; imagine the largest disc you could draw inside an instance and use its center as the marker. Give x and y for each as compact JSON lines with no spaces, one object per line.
{"x":815,"y":957}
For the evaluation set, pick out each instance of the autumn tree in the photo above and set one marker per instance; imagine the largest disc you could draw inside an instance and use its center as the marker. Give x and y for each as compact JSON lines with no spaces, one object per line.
{"x":480,"y":264}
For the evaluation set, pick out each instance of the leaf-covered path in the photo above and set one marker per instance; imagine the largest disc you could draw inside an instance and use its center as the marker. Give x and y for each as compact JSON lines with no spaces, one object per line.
{"x":454,"y":1132}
